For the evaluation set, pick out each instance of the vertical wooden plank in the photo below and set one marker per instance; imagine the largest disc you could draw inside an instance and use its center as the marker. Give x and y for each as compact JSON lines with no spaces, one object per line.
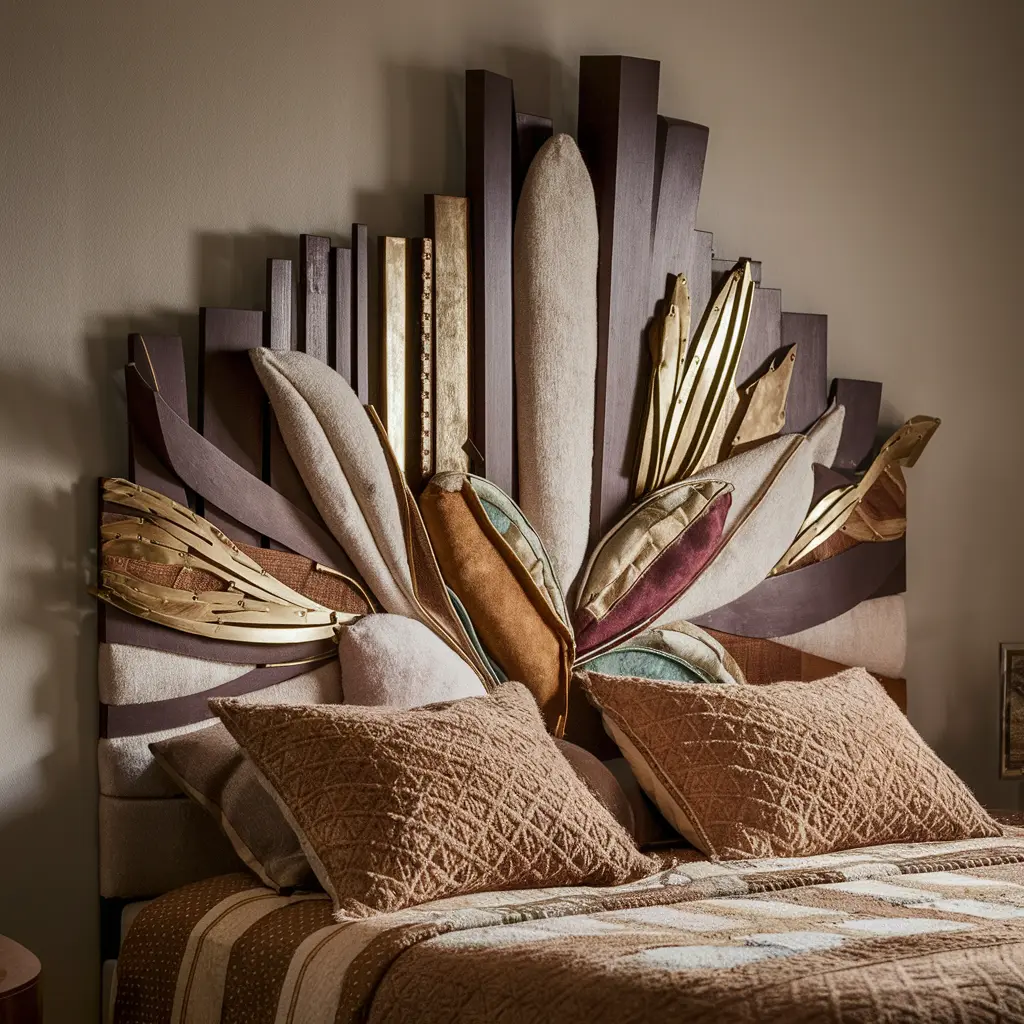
{"x":764,"y":335}
{"x":280,"y":302}
{"x":490,"y":118}
{"x":231,"y":398}
{"x":862,"y":400}
{"x":161,"y":361}
{"x":360,"y":314}
{"x":426,"y":366}
{"x":532,"y":131}
{"x":278,"y":468}
{"x":314,"y":270}
{"x":341,"y":312}
{"x":699,"y":277}
{"x":808,"y":390}
{"x":394,"y":320}
{"x":448,"y":225}
{"x":618,"y":112}
{"x":680,"y":150}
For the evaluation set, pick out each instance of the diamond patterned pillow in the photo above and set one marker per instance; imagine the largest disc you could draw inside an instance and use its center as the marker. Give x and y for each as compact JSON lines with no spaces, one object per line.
{"x":396,"y":807}
{"x":787,"y":769}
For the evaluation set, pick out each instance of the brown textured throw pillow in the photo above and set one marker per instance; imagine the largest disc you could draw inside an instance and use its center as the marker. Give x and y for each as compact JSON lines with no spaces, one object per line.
{"x":787,"y":769}
{"x":213,"y":770}
{"x":396,"y":807}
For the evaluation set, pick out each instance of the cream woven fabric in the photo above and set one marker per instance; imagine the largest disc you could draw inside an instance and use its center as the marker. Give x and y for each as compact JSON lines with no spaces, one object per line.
{"x":788,"y":769}
{"x":398,"y":807}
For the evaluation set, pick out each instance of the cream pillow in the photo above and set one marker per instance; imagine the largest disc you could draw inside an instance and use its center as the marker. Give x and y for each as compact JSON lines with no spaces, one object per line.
{"x":393,"y":661}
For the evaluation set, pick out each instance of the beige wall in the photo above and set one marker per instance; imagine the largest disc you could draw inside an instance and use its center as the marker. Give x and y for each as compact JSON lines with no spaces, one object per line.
{"x":152,"y":154}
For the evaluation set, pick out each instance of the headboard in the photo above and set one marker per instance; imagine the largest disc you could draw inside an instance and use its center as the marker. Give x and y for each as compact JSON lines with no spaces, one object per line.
{"x":446,"y":395}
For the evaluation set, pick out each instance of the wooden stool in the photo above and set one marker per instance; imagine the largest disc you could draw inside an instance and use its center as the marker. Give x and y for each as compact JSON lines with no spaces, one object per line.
{"x":21,"y":996}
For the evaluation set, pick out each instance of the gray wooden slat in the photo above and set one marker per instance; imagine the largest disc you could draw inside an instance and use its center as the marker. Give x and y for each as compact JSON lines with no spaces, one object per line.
{"x":360,"y":314}
{"x":764,"y":335}
{"x":314,"y":273}
{"x":618,"y":112}
{"x":532,"y":131}
{"x":161,"y":361}
{"x":808,"y":390}
{"x":678,"y":169}
{"x":280,"y":302}
{"x":490,"y":123}
{"x":699,"y":277}
{"x":862,"y":400}
{"x":341,"y":311}
{"x":231,"y":399}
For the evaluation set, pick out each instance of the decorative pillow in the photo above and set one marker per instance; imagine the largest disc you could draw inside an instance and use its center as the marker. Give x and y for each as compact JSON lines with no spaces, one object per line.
{"x":555,"y":249}
{"x":212,"y":769}
{"x":649,"y":825}
{"x":513,"y":617}
{"x":787,"y":769}
{"x":647,"y":560}
{"x":397,"y":662}
{"x":398,"y":807}
{"x":602,"y":782}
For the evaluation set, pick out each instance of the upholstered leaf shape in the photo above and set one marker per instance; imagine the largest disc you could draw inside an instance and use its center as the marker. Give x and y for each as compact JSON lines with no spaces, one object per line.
{"x":647,"y":560}
{"x":512,"y":616}
{"x":772,"y":488}
{"x":556,"y":252}
{"x":508,"y":519}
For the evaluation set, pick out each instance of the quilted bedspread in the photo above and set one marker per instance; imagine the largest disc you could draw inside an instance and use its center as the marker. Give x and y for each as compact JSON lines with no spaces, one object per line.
{"x":928,"y":932}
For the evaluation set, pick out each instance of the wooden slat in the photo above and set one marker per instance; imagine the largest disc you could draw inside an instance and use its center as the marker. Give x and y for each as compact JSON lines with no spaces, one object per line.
{"x":278,"y":468}
{"x":341,"y":312}
{"x":764,"y":335}
{"x":862,"y":400}
{"x":808,"y":390}
{"x":360,"y":314}
{"x":618,"y":112}
{"x":678,"y":169}
{"x":490,"y":120}
{"x":231,"y":398}
{"x":425,"y":382}
{"x":699,"y":277}
{"x":314,"y":275}
{"x":448,"y":224}
{"x":394,"y":349}
{"x":532,"y":131}
{"x":280,"y":303}
{"x":793,"y":601}
{"x":161,"y":361}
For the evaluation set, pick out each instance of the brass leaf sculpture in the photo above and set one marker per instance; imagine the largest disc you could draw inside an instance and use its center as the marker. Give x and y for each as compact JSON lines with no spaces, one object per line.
{"x":831,"y":513}
{"x":692,"y":392}
{"x":764,"y":404}
{"x":254,"y":608}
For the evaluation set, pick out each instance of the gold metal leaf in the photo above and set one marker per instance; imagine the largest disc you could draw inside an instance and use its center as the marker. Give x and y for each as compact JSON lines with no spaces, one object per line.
{"x":764,"y":404}
{"x":692,"y":393}
{"x":255,"y":607}
{"x":831,"y":513}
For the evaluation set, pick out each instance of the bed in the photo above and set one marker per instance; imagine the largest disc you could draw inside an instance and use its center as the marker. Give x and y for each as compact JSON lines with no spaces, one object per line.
{"x":757,"y":537}
{"x":930,"y":932}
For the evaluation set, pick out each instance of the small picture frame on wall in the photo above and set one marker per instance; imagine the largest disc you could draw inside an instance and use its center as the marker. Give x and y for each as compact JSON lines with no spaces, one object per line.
{"x":1011,"y":669}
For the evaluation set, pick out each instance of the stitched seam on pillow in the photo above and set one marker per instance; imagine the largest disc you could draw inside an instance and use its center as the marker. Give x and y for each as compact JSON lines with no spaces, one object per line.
{"x":660,"y":772}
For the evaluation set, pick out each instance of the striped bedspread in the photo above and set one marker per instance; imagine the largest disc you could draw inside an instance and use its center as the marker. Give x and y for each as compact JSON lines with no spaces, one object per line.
{"x":929,"y":932}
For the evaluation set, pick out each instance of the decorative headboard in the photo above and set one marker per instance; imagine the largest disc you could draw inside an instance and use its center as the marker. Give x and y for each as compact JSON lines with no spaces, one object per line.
{"x":695,"y":365}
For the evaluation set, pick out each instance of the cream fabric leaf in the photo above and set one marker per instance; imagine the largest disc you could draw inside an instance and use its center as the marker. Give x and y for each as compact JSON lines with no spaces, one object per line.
{"x":556,"y":249}
{"x":772,"y":488}
{"x":336,"y":450}
{"x":825,"y":435}
{"x":393,"y":661}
